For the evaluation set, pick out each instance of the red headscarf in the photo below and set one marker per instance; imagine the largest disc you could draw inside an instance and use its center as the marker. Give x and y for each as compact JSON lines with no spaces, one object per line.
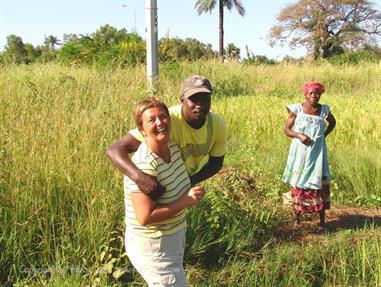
{"x":313,"y":85}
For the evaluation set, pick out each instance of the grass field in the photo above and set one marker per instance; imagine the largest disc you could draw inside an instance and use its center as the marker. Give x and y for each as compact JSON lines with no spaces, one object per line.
{"x":61,"y":200}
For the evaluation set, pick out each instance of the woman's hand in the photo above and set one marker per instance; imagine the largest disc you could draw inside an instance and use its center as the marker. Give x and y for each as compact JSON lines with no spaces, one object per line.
{"x":304,"y":138}
{"x":148,"y":211}
{"x":194,"y":195}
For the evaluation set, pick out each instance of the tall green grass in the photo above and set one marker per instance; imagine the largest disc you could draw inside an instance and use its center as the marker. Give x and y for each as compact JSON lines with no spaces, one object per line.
{"x":347,"y":259}
{"x":61,"y":203}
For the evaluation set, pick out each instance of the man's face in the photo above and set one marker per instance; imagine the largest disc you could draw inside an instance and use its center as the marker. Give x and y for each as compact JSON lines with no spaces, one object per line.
{"x":196,"y":107}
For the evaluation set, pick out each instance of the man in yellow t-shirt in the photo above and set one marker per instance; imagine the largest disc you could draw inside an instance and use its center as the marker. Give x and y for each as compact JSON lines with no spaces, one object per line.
{"x":200,"y":133}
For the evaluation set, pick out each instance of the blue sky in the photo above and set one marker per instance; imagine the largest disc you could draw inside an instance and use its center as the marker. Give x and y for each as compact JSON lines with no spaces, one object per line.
{"x":34,"y":19}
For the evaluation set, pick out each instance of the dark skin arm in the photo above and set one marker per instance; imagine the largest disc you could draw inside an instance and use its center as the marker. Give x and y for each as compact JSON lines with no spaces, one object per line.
{"x":213,"y":165}
{"x":119,"y":152}
{"x":331,"y":124}
{"x":302,"y":137}
{"x":290,"y":133}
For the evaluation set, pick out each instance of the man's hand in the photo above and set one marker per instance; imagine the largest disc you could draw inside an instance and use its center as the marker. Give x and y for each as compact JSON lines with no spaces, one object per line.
{"x":145,"y":182}
{"x":156,"y":192}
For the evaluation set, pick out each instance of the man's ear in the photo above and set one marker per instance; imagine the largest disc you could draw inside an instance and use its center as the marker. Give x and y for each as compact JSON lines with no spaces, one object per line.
{"x":182,"y":98}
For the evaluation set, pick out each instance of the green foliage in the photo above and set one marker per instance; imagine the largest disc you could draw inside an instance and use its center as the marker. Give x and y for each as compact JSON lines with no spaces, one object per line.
{"x":107,"y":35}
{"x":216,"y":230}
{"x":15,"y":52}
{"x":61,"y":203}
{"x":205,"y":6}
{"x":354,"y":58}
{"x":232,"y":86}
{"x":106,"y":47}
{"x":83,"y":52}
{"x":232,"y":52}
{"x":327,"y":27}
{"x":291,"y":60}
{"x":252,"y":59}
{"x":176,"y":49}
{"x":124,"y":54}
{"x":32,"y":53}
{"x":348,"y":259}
{"x":51,"y":42}
{"x":258,"y":60}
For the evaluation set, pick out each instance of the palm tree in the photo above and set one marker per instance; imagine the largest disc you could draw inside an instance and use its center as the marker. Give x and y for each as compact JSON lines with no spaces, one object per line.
{"x":204,"y":6}
{"x":51,"y":41}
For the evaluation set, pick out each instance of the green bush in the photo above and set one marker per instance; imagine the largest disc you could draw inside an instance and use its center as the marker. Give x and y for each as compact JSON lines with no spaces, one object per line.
{"x":177,"y":49}
{"x":354,"y":58}
{"x":259,"y":60}
{"x":215,"y":226}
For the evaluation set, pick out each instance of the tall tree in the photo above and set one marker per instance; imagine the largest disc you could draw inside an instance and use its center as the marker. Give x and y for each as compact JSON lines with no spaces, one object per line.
{"x":327,"y":27}
{"x":15,"y":50}
{"x":70,"y":38}
{"x":232,"y":52}
{"x":204,"y":6}
{"x":31,"y":53}
{"x":107,"y":35}
{"x":51,"y":41}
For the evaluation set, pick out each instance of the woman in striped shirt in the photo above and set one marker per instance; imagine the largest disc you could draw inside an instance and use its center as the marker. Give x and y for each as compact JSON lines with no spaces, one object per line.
{"x":155,"y":228}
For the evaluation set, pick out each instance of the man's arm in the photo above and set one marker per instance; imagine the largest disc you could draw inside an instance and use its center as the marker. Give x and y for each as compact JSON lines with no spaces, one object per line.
{"x":119,"y":152}
{"x":213,"y":165}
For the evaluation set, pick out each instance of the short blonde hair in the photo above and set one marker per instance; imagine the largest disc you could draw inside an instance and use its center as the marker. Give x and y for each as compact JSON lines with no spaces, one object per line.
{"x":148,"y":103}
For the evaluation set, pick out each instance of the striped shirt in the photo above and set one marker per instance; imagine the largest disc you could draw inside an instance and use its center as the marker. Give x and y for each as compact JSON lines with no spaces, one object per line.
{"x":172,"y":176}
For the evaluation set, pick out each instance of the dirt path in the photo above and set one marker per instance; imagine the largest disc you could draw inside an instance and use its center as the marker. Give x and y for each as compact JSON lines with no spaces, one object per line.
{"x":337,"y":218}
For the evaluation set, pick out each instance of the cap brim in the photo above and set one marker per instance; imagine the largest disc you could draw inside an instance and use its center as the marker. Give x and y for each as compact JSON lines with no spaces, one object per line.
{"x":196,"y":91}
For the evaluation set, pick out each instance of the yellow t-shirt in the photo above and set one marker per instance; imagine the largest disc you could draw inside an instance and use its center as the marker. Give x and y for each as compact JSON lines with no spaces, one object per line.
{"x":195,"y":144}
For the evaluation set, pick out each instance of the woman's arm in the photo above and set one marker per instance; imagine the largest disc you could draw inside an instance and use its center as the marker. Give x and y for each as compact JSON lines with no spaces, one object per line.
{"x":290,"y":133}
{"x":148,"y":212}
{"x":331,"y":124}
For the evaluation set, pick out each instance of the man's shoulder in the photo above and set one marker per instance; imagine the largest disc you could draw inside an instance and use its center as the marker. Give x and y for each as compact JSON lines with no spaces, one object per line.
{"x":217,"y":119}
{"x":175,"y":111}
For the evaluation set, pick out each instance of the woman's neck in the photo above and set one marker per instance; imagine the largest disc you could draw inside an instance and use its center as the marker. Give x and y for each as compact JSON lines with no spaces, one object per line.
{"x":311,"y":105}
{"x":311,"y":108}
{"x":160,"y":149}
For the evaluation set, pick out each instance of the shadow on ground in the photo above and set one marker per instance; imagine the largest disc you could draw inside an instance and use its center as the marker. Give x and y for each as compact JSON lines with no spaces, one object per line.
{"x":337,"y":218}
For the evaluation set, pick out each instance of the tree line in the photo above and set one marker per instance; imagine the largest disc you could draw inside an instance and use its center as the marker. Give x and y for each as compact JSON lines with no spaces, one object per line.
{"x":340,"y":30}
{"x":106,"y":46}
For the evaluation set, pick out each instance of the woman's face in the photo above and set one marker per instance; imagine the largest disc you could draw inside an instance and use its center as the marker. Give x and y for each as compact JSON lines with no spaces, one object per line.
{"x":156,"y":125}
{"x":312,"y":96}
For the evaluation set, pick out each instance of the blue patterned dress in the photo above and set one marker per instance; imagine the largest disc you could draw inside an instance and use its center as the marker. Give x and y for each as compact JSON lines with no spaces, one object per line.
{"x":307,"y":165}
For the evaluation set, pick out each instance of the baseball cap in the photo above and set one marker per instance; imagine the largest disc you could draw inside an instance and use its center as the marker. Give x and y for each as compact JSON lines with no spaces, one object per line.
{"x":195,"y":84}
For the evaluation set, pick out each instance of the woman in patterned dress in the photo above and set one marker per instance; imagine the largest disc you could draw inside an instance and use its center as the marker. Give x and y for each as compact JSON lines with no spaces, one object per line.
{"x":307,"y":168}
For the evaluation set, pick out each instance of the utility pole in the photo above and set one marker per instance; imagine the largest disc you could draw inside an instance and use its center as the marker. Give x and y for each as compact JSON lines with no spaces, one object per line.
{"x":136,"y":31}
{"x":152,"y":44}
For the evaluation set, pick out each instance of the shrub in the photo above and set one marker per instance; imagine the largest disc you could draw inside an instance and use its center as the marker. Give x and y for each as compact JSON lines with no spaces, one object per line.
{"x":259,"y":60}
{"x":354,"y":58}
